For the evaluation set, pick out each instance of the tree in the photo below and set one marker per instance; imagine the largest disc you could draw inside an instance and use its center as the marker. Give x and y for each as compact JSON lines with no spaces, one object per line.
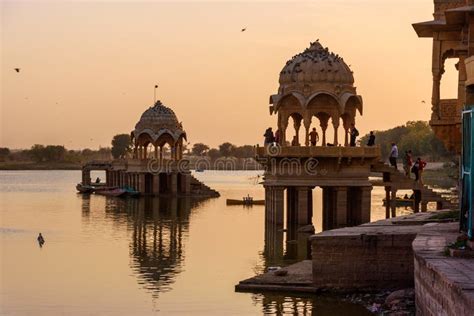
{"x":213,"y":153}
{"x":120,"y":145}
{"x":245,"y":151}
{"x":4,"y":153}
{"x":37,"y":153}
{"x":199,"y":149}
{"x":226,"y":149}
{"x":416,"y":136}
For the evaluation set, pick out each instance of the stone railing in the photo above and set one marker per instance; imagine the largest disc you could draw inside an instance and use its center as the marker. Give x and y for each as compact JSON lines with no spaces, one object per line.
{"x":318,"y":151}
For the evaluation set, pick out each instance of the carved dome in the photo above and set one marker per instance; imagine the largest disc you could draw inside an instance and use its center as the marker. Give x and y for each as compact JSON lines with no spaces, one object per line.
{"x":316,"y":68}
{"x":157,"y":121}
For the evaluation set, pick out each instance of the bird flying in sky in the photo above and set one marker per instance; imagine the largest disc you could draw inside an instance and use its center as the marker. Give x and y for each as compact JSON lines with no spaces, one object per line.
{"x":17,"y":69}
{"x":156,"y":86}
{"x":244,"y":29}
{"x":423,"y":101}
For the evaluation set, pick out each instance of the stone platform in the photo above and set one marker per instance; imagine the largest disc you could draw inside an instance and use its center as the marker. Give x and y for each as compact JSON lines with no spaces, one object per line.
{"x":366,"y":257}
{"x":443,"y":285}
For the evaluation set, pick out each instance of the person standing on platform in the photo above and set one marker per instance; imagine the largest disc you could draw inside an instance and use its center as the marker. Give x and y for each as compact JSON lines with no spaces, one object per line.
{"x":354,"y":134}
{"x":313,"y":137}
{"x":269,"y":138}
{"x":393,"y":156}
{"x":371,"y":141}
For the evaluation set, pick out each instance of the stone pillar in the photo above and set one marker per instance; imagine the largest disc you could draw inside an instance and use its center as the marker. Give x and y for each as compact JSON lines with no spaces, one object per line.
{"x":335,"y":123}
{"x":186,"y":183}
{"x":297,"y":125}
{"x":141,"y":182}
{"x":346,"y":137}
{"x":437,"y":73}
{"x":278,"y":206}
{"x":387,"y":202}
{"x":366,"y":201}
{"x":307,"y":126}
{"x":268,"y":203}
{"x":156,"y":152}
{"x":393,"y":201}
{"x":174,"y":183}
{"x":324,"y":125}
{"x":156,"y":184}
{"x":304,"y":210}
{"x":291,"y":217}
{"x":341,"y":206}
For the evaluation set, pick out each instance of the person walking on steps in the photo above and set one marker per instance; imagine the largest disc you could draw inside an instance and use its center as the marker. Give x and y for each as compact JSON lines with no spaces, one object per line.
{"x":393,"y":156}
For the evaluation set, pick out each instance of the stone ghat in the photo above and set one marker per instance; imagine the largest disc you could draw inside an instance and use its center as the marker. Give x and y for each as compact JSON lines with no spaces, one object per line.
{"x":369,"y":257}
{"x":443,"y":285}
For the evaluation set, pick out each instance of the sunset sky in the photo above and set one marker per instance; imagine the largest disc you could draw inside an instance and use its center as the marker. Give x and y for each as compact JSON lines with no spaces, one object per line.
{"x":88,"y":68}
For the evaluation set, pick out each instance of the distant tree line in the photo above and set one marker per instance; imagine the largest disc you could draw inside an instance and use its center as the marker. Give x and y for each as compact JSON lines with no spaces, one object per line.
{"x":226,"y":150}
{"x":53,"y":153}
{"x":416,"y":136}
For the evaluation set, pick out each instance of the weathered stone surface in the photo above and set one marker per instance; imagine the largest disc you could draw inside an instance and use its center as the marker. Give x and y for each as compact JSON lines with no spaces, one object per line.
{"x":443,"y":285}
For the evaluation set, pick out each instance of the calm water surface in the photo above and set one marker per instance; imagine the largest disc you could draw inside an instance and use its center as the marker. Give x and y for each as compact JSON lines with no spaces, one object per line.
{"x":112,"y":256}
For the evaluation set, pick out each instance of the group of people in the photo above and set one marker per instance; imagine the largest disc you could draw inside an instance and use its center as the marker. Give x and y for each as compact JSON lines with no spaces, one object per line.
{"x":409,"y":166}
{"x":313,"y":137}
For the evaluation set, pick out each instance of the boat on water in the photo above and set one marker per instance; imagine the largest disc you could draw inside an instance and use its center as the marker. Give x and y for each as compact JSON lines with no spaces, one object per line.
{"x":85,"y":189}
{"x":199,"y":170}
{"x":247,"y":200}
{"x":106,"y":190}
{"x":131,"y":192}
{"x":112,"y":192}
{"x":402,"y":202}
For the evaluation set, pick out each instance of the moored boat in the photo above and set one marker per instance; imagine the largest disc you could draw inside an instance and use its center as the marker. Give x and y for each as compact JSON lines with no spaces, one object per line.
{"x":84,"y":188}
{"x":112,"y":192}
{"x":245,"y":202}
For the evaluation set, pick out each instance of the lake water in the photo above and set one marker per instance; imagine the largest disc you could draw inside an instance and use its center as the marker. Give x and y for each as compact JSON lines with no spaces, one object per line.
{"x":146,"y":256}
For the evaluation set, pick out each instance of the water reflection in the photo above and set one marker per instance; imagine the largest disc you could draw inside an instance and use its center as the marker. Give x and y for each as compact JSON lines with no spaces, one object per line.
{"x":286,"y":246}
{"x":279,"y":304}
{"x":159,"y":227}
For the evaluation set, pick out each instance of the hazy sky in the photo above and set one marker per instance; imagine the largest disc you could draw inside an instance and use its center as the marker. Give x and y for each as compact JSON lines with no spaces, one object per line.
{"x":88,"y":68}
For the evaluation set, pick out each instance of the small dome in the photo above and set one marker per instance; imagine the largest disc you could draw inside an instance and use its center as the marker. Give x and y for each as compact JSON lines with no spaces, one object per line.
{"x":159,"y":120}
{"x":316,"y":68}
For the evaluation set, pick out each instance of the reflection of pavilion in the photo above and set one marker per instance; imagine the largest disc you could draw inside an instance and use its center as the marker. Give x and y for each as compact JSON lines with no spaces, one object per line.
{"x":159,"y":227}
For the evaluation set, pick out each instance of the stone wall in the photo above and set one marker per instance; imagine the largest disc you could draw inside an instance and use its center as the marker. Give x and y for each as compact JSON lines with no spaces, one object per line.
{"x":361,"y":258}
{"x":443,"y":285}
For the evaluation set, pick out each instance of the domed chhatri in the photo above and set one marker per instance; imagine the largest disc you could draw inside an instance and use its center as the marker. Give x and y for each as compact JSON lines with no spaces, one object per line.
{"x":158,"y":126}
{"x":316,"y":65}
{"x":316,"y":83}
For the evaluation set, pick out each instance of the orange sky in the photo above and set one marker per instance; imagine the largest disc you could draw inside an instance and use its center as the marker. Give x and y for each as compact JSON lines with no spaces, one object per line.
{"x":88,"y":68}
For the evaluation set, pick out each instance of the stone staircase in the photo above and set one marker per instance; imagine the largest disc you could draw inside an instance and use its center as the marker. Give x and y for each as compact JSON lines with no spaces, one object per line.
{"x":396,"y":180}
{"x":199,"y":188}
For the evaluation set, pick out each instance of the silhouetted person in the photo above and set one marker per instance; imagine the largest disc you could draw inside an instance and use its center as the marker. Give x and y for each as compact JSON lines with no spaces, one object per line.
{"x":278,"y":136}
{"x":393,"y":156}
{"x":40,"y":240}
{"x":313,"y":137}
{"x":269,"y":138}
{"x":97,"y":180}
{"x":354,"y":134}
{"x":294,"y":142}
{"x":418,"y":168}
{"x":371,"y":141}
